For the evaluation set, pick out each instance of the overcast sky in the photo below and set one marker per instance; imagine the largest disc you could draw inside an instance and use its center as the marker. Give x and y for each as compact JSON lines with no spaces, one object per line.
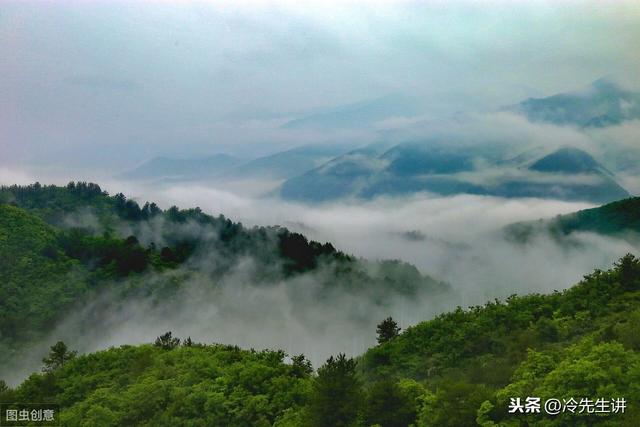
{"x":108,"y":84}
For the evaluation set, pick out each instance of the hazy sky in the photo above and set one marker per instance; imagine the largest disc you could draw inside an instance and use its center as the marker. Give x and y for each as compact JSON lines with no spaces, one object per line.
{"x":95,"y":87}
{"x":108,"y":84}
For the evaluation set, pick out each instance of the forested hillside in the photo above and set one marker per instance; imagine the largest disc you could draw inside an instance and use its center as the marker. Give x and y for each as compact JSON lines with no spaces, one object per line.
{"x":619,"y":219}
{"x":579,"y":343}
{"x":459,"y":369}
{"x":63,"y":247}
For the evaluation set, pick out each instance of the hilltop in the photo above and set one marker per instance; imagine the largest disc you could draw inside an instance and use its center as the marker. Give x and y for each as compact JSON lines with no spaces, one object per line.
{"x":579,"y":343}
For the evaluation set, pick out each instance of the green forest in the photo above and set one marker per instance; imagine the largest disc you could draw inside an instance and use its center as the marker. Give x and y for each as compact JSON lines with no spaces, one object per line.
{"x":60,"y":246}
{"x":620,"y":219}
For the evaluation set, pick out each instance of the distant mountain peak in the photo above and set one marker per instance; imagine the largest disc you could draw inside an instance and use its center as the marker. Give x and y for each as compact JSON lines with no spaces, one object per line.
{"x":605,"y":83}
{"x":603,"y":103}
{"x":162,"y":167}
{"x":359,"y":114}
{"x":567,"y":159}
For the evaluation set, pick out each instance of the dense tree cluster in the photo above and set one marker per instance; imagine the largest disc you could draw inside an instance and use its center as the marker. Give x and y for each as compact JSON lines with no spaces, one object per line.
{"x":200,"y":385}
{"x":50,"y":260}
{"x":459,"y":369}
{"x":620,"y":218}
{"x":582,"y":342}
{"x":167,"y":342}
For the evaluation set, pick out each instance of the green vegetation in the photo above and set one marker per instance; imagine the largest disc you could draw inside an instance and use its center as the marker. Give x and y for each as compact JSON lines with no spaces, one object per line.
{"x":58,"y":356}
{"x":621,"y":219}
{"x":147,"y":385}
{"x":461,"y":368}
{"x":113,"y":233}
{"x":34,"y":271}
{"x":387,"y":330}
{"x":578,"y":343}
{"x":63,"y":246}
{"x":614,"y":218}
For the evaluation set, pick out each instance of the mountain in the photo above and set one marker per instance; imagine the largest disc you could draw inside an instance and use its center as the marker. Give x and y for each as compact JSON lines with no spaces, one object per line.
{"x":183,"y":169}
{"x":463,"y":368}
{"x":358,"y":115}
{"x":620,"y":219}
{"x":582,"y":341}
{"x":603,"y":103}
{"x":281,"y":165}
{"x":565,"y":174}
{"x":340,"y":177}
{"x":212,"y":385}
{"x":567,"y":160}
{"x":75,"y":255}
{"x":285,"y":164}
{"x":417,"y":159}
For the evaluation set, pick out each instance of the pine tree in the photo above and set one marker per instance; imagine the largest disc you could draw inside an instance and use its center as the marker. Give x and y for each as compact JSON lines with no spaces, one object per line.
{"x":166,"y":341}
{"x":387,"y":330}
{"x":58,"y":356}
{"x":337,"y":394}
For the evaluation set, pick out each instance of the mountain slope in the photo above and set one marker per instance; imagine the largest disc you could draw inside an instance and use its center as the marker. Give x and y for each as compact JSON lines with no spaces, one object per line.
{"x":602,"y":104}
{"x":148,"y":385}
{"x":565,"y":174}
{"x":568,"y":173}
{"x":358,"y":115}
{"x":462,"y":368}
{"x":77,"y":255}
{"x":35,"y":276}
{"x":183,"y":169}
{"x":579,"y":342}
{"x":567,"y":160}
{"x":285,"y":164}
{"x":620,"y":219}
{"x":340,"y":177}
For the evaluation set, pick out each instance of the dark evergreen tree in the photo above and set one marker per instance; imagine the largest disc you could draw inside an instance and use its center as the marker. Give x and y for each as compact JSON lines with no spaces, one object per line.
{"x":387,"y":405}
{"x":58,"y":356}
{"x":336,"y":398}
{"x":629,"y":271}
{"x":387,"y":330}
{"x":166,"y":341}
{"x":301,"y":366}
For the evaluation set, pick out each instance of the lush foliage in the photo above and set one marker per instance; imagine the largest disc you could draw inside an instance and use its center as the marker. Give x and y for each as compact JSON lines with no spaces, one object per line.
{"x":461,"y":368}
{"x":188,"y":385}
{"x":60,"y":246}
{"x":621,"y":218}
{"x":580,"y":343}
{"x":387,"y":330}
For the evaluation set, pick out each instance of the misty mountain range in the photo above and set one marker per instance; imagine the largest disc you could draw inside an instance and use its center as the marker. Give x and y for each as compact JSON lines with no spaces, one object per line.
{"x":318,"y":173}
{"x":361,"y":114}
{"x":183,"y":169}
{"x":70,"y":273}
{"x":620,"y":219}
{"x":281,"y":165}
{"x":565,"y":174}
{"x":602,"y":104}
{"x":76,"y":248}
{"x":319,"y":214}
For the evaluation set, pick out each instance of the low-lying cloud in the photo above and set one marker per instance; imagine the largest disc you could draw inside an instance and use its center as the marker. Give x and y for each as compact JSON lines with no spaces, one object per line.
{"x":456,"y":239}
{"x":490,"y":265}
